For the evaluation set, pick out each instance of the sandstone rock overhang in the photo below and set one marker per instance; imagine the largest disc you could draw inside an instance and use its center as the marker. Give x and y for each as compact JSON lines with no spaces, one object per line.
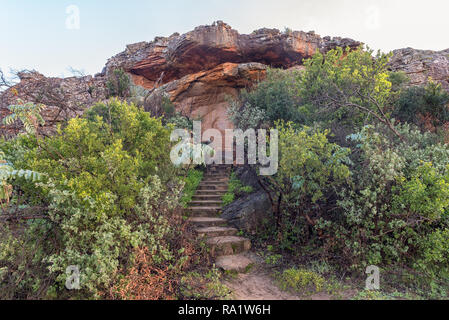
{"x":206,"y":47}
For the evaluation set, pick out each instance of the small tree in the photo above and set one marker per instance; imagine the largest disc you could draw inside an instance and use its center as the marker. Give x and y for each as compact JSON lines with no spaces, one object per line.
{"x":309,"y":168}
{"x":118,"y":84}
{"x":351,"y":86}
{"x":29,"y":115}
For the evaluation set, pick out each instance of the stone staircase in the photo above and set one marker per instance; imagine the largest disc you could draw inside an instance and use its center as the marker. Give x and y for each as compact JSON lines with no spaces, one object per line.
{"x":226,"y":247}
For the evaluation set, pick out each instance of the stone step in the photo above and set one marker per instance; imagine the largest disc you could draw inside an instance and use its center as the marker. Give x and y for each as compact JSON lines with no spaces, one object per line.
{"x":204,"y":211}
{"x":210,"y":192}
{"x":211,"y":232}
{"x":205,"y":203}
{"x":219,"y":178}
{"x":212,"y":187}
{"x":216,"y":175}
{"x":214,"y":182}
{"x":207,"y":197}
{"x":205,"y":222}
{"x":236,"y":262}
{"x":209,"y":208}
{"x":228,"y":245}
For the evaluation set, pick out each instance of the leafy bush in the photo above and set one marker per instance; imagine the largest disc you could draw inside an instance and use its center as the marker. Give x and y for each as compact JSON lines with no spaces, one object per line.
{"x":398,"y":80}
{"x":370,"y":295}
{"x":397,"y":199}
{"x":272,"y":99}
{"x":434,"y":259}
{"x":150,"y":278}
{"x":106,"y":195}
{"x":310,"y":169}
{"x":347,"y":88}
{"x":180,"y":121}
{"x":425,"y":194}
{"x":423,"y":106}
{"x":23,"y":275}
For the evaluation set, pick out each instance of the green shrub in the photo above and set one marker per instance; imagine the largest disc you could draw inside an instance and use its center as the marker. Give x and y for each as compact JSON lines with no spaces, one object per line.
{"x":168,"y":107}
{"x":433,"y":262}
{"x":425,"y":194}
{"x":371,"y":295}
{"x":346,"y":88}
{"x":398,"y":80}
{"x":180,"y":121}
{"x":272,"y":99}
{"x":420,"y":104}
{"x":27,"y":113}
{"x":228,"y":198}
{"x":396,"y":200}
{"x":109,"y":187}
{"x":301,"y":281}
{"x":310,"y":170}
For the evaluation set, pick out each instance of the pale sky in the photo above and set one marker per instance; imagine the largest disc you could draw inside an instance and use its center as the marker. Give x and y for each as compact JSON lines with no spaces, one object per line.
{"x":45,"y":35}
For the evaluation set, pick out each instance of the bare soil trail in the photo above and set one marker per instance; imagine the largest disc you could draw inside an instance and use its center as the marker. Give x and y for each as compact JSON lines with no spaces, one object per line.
{"x":258,"y":284}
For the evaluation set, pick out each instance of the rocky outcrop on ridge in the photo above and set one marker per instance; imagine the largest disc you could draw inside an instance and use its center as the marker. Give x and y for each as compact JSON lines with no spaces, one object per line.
{"x":64,"y":98}
{"x":422,"y":65}
{"x":201,"y":69}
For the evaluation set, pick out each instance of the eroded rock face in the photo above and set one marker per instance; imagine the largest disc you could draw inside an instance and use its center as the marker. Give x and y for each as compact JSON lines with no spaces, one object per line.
{"x":420,"y":65}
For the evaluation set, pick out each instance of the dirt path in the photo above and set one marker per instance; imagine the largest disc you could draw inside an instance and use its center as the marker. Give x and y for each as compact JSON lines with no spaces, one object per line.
{"x":257,"y":284}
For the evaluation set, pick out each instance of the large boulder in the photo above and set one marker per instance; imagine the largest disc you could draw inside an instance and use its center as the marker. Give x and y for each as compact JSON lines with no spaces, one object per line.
{"x":248,"y":177}
{"x":250,"y":213}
